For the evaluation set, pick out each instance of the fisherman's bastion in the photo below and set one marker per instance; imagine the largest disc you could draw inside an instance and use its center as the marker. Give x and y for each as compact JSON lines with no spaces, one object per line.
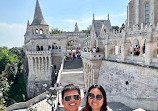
{"x":126,"y":64}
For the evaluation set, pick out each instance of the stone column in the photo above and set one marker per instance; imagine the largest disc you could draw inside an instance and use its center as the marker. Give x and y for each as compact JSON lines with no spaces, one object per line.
{"x":137,"y":12}
{"x":151,"y":11}
{"x":106,"y":48}
{"x":128,"y":15}
{"x":123,"y":47}
{"x":148,"y":47}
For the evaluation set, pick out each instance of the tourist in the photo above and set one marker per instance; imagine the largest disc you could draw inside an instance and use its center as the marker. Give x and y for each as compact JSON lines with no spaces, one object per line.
{"x":84,"y":91}
{"x":97,"y":50}
{"x":96,"y":99}
{"x":71,"y":98}
{"x":84,"y":50}
{"x":94,"y":50}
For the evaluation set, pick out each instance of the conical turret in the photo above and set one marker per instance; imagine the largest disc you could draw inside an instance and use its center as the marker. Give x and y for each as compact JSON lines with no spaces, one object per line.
{"x":27,"y":29}
{"x":76,"y":28}
{"x":38,"y":16}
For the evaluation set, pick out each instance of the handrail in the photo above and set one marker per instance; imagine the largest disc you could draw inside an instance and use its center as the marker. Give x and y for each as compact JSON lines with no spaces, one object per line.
{"x":60,"y":71}
{"x":27,"y":104}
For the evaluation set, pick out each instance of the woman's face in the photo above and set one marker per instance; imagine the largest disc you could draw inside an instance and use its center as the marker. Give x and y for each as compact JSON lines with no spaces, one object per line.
{"x":95,"y":99}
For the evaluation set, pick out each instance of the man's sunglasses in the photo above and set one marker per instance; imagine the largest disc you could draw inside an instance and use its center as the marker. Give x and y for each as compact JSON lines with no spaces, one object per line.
{"x":92,"y":96}
{"x":68,"y":97}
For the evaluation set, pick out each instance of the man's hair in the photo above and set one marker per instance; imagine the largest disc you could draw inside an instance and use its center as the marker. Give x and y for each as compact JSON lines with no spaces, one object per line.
{"x":68,"y":88}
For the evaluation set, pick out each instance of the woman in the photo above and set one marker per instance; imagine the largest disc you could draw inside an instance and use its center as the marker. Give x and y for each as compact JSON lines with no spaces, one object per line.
{"x":96,"y":99}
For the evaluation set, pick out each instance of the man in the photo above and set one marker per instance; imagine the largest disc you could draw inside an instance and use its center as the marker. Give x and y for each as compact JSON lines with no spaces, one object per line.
{"x":71,"y":98}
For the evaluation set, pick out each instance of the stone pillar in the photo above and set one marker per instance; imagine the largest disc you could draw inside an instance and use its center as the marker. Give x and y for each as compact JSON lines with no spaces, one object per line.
{"x":137,"y":12}
{"x":151,"y":11}
{"x":123,"y":47}
{"x":35,"y":68}
{"x":148,"y":47}
{"x":106,"y":48}
{"x":128,"y":15}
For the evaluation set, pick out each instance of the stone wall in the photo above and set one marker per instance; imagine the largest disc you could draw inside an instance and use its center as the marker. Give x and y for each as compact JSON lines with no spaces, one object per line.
{"x":132,"y":84}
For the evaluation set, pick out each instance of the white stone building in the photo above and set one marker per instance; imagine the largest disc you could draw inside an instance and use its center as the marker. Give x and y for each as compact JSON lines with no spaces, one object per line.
{"x":44,"y":50}
{"x":126,"y":65}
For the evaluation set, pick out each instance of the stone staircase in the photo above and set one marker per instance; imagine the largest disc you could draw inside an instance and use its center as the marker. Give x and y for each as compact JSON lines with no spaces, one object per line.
{"x":72,"y":73}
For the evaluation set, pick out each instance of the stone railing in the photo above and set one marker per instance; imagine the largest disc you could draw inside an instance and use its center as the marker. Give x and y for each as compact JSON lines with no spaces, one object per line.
{"x":24,"y":105}
{"x":60,"y":71}
{"x":92,"y":56}
{"x":38,"y":52}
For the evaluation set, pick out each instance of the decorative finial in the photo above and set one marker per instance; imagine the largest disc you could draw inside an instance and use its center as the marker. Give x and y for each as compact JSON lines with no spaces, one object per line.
{"x":93,"y":16}
{"x":108,"y":16}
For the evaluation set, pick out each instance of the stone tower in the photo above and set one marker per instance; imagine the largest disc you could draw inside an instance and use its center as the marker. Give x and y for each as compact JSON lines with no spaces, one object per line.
{"x":39,"y":60}
{"x":76,"y":28}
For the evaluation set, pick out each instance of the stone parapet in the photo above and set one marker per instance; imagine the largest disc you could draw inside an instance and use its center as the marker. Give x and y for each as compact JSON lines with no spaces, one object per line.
{"x":92,"y":56}
{"x":37,"y":52}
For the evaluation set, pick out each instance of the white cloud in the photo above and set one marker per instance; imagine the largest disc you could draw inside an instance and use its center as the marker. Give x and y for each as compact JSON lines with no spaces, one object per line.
{"x":12,"y":35}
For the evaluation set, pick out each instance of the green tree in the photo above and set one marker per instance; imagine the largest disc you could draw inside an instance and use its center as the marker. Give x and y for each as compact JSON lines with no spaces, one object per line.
{"x":122,"y":27}
{"x":2,"y":105}
{"x":55,"y":31}
{"x":88,"y":30}
{"x":116,"y":28}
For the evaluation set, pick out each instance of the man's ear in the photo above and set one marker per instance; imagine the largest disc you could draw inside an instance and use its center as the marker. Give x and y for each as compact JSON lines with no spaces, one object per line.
{"x":62,"y":101}
{"x":80,"y":100}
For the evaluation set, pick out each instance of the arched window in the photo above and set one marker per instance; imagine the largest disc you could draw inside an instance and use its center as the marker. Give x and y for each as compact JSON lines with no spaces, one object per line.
{"x":147,"y":13}
{"x":41,"y":31}
{"x":36,"y":31}
{"x":41,"y":48}
{"x":105,"y":31}
{"x":49,"y":47}
{"x":38,"y":48}
{"x":52,"y":46}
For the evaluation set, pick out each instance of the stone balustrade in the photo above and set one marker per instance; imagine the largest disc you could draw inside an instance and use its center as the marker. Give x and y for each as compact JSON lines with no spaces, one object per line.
{"x":92,"y":56}
{"x":38,"y":52}
{"x":43,"y":52}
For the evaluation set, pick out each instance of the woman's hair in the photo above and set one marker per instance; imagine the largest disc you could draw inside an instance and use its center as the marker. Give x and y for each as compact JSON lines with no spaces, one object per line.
{"x":104,"y":106}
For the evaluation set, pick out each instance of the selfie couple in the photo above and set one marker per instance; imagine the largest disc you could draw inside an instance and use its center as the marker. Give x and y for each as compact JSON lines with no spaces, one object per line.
{"x":95,"y":99}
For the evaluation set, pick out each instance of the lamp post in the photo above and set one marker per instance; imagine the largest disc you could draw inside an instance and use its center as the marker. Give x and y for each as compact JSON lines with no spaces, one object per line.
{"x":53,"y":94}
{"x":53,"y":75}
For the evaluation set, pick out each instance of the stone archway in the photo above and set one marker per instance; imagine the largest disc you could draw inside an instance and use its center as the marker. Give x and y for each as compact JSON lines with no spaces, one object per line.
{"x":142,"y":46}
{"x":73,"y":48}
{"x":136,"y":47}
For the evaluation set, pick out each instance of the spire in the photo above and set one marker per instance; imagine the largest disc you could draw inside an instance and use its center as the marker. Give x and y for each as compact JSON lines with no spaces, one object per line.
{"x":108,"y":16}
{"x":38,"y":16}
{"x":27,"y":29}
{"x":76,"y":28}
{"x":93,"y":16}
{"x":28,"y":23}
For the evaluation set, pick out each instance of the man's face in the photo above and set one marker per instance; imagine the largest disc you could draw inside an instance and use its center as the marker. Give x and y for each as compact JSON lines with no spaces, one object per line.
{"x":73,"y":103}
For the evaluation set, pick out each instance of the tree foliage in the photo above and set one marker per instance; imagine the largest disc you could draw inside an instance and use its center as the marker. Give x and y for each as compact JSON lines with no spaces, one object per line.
{"x":88,"y":30}
{"x":117,"y":28}
{"x":11,"y":65}
{"x":55,"y":31}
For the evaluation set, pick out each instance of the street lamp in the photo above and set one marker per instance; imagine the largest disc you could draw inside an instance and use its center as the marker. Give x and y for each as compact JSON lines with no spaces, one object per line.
{"x":53,"y":93}
{"x":53,"y":75}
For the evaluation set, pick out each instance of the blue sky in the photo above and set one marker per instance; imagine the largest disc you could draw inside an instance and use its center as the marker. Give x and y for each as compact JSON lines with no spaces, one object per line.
{"x":61,"y":14}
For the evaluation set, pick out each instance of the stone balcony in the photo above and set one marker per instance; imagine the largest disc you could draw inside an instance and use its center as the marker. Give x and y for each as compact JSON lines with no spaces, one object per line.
{"x":92,"y":56}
